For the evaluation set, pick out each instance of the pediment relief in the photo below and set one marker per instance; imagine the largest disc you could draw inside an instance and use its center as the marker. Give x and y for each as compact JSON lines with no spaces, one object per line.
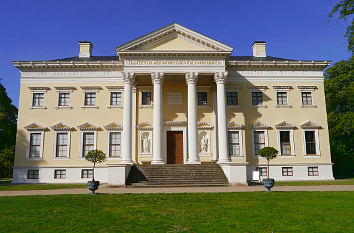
{"x":113,"y":126}
{"x":174,"y":37}
{"x":204,"y":125}
{"x":35,"y":127}
{"x":87,"y":126}
{"x":234,"y":125}
{"x":260,"y":125}
{"x":61,"y":127}
{"x":310,"y":125}
{"x":285,"y":125}
{"x":144,"y":125}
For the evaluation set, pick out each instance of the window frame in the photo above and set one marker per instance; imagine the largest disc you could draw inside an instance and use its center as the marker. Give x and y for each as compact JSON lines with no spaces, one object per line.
{"x":227,"y":98}
{"x":240,"y":142}
{"x":85,"y":97}
{"x":206,"y":96}
{"x":283,"y":94}
{"x":109,"y":144}
{"x":87,"y":175}
{"x":82,"y":142}
{"x":285,"y":171}
{"x":302,"y":98}
{"x":28,"y":149}
{"x":34,"y":176}
{"x":260,"y":171}
{"x":33,"y":99}
{"x":56,"y":132}
{"x":111,"y":98}
{"x":60,"y":174}
{"x":317,"y":143}
{"x":292,"y":144}
{"x":261,"y":96}
{"x":66,"y":98}
{"x":314,"y":173}
{"x":253,"y":140}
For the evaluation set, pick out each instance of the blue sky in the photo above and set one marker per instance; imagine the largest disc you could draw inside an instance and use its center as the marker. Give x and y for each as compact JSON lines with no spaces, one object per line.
{"x":50,"y":29}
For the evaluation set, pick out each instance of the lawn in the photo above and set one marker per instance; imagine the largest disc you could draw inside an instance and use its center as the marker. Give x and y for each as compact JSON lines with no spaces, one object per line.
{"x":6,"y":186}
{"x":349,"y":181}
{"x":195,"y":212}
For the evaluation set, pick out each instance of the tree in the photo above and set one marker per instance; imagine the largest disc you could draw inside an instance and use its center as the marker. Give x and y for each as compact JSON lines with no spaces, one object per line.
{"x":345,"y":9}
{"x":339,"y":89}
{"x":268,"y":153}
{"x":8,"y":120}
{"x":95,"y":156}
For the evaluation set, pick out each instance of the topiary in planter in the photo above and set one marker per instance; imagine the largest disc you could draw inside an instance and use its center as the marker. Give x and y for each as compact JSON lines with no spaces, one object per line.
{"x":94,"y":156}
{"x":268,"y":153}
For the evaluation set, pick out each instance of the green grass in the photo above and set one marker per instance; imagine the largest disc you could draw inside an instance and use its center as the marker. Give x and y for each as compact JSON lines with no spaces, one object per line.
{"x":195,"y":212}
{"x":16,"y":187}
{"x":349,"y":181}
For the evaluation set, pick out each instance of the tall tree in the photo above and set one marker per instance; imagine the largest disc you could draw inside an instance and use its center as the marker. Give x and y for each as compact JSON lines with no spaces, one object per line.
{"x":345,"y":8}
{"x":8,"y":119}
{"x":339,"y":90}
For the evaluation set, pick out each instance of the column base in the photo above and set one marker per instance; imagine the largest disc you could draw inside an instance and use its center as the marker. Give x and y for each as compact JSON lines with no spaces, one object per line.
{"x":127,"y":162}
{"x":193,"y":162}
{"x":157,"y":162}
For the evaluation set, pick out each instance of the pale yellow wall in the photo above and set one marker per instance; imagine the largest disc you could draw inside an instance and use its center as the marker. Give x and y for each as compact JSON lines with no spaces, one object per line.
{"x":245,"y":114}
{"x":176,"y":43}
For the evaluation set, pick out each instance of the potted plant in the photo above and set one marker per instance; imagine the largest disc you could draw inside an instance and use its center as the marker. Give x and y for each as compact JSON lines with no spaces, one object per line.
{"x":268,"y":153}
{"x":94,"y":156}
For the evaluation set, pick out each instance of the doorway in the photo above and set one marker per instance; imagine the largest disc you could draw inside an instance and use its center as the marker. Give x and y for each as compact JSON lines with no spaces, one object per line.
{"x":175,"y":147}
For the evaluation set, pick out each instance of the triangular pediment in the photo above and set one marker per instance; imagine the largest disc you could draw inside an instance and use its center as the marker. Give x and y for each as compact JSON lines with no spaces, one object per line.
{"x":88,"y":126}
{"x":260,"y":125}
{"x":61,"y":127}
{"x":310,"y":125}
{"x":174,"y":37}
{"x":285,"y":125}
{"x":113,"y":126}
{"x":35,"y":127}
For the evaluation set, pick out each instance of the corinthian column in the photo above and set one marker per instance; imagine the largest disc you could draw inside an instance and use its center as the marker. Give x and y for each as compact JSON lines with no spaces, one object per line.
{"x":128,"y":79}
{"x":191,"y":79}
{"x":157,"y":79}
{"x":220,"y":79}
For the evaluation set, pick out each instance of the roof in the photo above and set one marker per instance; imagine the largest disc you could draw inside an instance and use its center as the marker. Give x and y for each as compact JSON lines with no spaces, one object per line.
{"x":252,"y":58}
{"x":92,"y":58}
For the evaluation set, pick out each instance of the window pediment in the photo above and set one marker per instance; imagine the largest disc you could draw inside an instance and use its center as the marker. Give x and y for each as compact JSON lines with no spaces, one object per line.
{"x":61,"y":127}
{"x":113,"y":126}
{"x":35,"y":127}
{"x":310,"y":125}
{"x":234,"y":125}
{"x":204,"y":125}
{"x":260,"y":125}
{"x":144,"y":125}
{"x":285,"y":125}
{"x":88,"y":127}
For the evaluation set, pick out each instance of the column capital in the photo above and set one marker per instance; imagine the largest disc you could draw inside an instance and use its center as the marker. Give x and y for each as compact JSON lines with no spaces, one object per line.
{"x":191,"y":77}
{"x":157,"y":77}
{"x":128,"y":77}
{"x":220,"y":77}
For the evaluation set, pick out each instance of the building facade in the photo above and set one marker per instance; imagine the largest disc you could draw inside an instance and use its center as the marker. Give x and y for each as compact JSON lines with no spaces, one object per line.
{"x":173,"y":96}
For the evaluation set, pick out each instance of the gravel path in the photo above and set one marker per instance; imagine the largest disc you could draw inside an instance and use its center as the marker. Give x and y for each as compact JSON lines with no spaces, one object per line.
{"x":113,"y":190}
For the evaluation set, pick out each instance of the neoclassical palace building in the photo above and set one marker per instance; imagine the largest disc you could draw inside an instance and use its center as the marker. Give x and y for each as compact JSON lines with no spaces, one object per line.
{"x":173,"y":96}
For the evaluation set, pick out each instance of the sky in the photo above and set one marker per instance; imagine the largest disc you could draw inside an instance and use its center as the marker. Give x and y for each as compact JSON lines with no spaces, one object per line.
{"x":35,"y":30}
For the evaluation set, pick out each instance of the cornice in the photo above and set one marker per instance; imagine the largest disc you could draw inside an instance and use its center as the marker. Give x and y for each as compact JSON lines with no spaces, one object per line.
{"x":292,"y":64}
{"x":66,"y":64}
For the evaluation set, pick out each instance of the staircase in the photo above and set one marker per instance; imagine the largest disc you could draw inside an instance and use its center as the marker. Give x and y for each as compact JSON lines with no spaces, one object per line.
{"x":176,"y":175}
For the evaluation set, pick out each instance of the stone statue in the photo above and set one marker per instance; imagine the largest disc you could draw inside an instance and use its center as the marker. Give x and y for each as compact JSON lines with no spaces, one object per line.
{"x":204,"y":144}
{"x":146,"y":143}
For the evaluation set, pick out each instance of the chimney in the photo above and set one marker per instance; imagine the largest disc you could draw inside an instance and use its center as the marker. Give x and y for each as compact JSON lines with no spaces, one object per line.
{"x":259,"y":49}
{"x":85,"y":49}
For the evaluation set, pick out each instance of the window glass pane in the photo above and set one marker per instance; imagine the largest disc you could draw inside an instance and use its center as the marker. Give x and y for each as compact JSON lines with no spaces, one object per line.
{"x":38,"y":99}
{"x":90,"y":99}
{"x":64,"y":99}
{"x":202,"y":98}
{"x":232,"y":98}
{"x":116,"y":98}
{"x":62,"y":144}
{"x":306,"y":98}
{"x":281,"y":98}
{"x":310,"y":142}
{"x":88,"y":143}
{"x":35,"y":144}
{"x":146,"y":98}
{"x":114,"y":143}
{"x":257,"y":98}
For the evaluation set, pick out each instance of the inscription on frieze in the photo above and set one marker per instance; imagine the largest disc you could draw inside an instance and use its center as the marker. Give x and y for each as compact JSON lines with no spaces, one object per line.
{"x":172,"y":62}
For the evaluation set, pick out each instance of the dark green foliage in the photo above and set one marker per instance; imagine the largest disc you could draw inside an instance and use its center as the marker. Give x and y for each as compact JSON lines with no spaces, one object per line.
{"x":345,"y":9}
{"x":268,"y":153}
{"x":8,"y":119}
{"x":184,"y":212}
{"x":95,"y":156}
{"x":339,"y":90}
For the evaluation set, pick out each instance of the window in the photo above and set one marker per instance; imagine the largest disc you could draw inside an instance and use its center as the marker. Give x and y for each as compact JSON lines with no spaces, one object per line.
{"x":114,"y":144}
{"x":262,"y":171}
{"x":88,"y":143}
{"x":234,"y":143}
{"x":35,"y":145}
{"x":313,"y":171}
{"x":62,"y":145}
{"x":285,"y":145}
{"x":86,"y":173}
{"x":281,"y":98}
{"x":64,"y":99}
{"x":90,"y":99}
{"x":287,"y":171}
{"x":257,"y":98}
{"x":306,"y":98}
{"x":32,"y":174}
{"x":60,"y":174}
{"x":202,"y":98}
{"x":38,"y":99}
{"x":232,"y":98}
{"x":146,"y":98}
{"x":310,"y":142}
{"x":259,"y":141}
{"x":116,"y":98}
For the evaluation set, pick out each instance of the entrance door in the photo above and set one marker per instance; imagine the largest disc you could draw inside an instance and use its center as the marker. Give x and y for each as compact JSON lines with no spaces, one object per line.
{"x":175,"y":147}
